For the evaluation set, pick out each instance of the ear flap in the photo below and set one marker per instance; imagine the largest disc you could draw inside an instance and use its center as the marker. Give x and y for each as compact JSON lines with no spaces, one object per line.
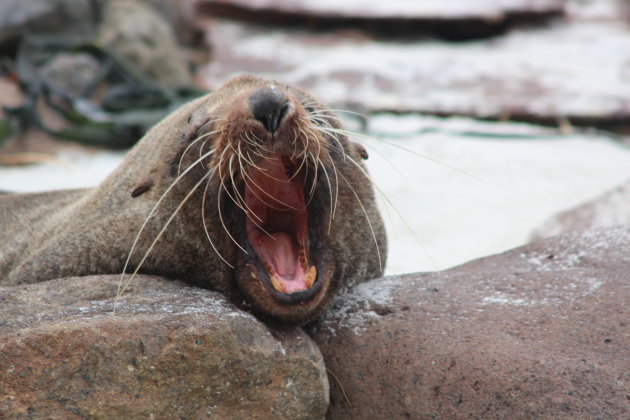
{"x":142,"y":187}
{"x":360,"y":150}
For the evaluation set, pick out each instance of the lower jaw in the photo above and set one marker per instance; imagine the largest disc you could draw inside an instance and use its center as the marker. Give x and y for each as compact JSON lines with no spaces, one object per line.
{"x":303,"y":297}
{"x":284,"y":308}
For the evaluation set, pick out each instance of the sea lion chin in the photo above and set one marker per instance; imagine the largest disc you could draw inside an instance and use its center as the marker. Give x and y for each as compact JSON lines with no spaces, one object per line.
{"x":253,"y":190}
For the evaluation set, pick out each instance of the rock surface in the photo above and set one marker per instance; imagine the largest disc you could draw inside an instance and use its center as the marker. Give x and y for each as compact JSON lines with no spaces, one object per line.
{"x":140,"y":35}
{"x":535,"y":74}
{"x":612,"y":208}
{"x":19,"y":17}
{"x":541,"y":331}
{"x":169,"y":351}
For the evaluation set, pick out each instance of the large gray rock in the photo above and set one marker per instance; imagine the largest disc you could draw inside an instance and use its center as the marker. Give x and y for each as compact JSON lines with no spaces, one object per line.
{"x":19,"y":17}
{"x":141,"y":36}
{"x":609,"y":209}
{"x":541,"y":331}
{"x":168,"y":351}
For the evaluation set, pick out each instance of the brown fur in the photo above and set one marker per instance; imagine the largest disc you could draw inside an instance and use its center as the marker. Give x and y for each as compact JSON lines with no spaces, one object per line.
{"x":92,"y":231}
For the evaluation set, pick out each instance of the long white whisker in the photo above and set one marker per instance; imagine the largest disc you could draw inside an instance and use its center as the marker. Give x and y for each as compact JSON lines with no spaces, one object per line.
{"x":203,"y":218}
{"x":159,"y":235}
{"x":429,"y":158}
{"x":367,"y":218}
{"x":332,"y":204}
{"x":386,"y":198}
{"x":221,"y":213}
{"x":135,"y":242}
{"x":179,"y":166}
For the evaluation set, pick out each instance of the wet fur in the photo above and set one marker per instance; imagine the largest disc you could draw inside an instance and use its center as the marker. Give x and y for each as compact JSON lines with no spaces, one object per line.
{"x":92,"y":231}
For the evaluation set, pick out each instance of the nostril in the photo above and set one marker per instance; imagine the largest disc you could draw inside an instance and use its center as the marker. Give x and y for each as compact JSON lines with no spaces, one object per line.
{"x":269,"y":106}
{"x":277,"y":116}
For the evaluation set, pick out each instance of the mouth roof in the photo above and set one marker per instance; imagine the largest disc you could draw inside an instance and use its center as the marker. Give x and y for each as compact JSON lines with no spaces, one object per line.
{"x":277,"y":225}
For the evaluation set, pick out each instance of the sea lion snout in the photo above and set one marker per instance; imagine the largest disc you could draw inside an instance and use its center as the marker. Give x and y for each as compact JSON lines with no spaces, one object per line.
{"x":269,"y":106}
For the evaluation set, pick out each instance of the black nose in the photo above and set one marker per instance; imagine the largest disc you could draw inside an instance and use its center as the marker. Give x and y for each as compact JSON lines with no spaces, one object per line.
{"x":269,"y":106}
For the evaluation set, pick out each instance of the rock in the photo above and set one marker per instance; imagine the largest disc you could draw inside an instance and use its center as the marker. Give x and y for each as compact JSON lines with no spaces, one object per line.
{"x":537,"y":332}
{"x":168,"y":351}
{"x":612,"y":208}
{"x":488,"y":10}
{"x":140,"y":36}
{"x":19,"y":17}
{"x":535,"y":74}
{"x":72,"y":73}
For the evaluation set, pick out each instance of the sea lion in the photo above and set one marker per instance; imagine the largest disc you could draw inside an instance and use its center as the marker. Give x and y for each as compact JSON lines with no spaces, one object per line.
{"x":253,"y":190}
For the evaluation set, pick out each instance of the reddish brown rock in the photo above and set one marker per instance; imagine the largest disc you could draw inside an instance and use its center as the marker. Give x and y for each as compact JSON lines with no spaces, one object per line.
{"x":169,"y":351}
{"x":538,"y":332}
{"x":612,"y":208}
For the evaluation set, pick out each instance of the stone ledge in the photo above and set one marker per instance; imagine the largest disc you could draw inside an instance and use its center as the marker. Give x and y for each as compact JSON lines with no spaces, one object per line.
{"x":537,"y":332}
{"x":169,"y":351}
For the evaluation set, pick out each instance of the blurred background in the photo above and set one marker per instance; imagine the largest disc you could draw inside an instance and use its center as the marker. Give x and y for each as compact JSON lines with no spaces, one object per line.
{"x":483,"y":118}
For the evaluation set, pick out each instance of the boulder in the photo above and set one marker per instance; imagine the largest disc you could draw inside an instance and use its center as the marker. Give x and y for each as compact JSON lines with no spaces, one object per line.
{"x":167,"y":351}
{"x":537,"y":332}
{"x":139,"y":35}
{"x":19,"y":17}
{"x":609,"y":209}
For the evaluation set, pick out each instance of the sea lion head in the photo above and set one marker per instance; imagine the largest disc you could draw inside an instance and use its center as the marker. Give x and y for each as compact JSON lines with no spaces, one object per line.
{"x":254,"y":190}
{"x":288,"y":202}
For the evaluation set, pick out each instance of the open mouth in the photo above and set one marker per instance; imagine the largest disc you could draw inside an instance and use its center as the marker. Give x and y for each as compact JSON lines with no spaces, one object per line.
{"x":278,"y":225}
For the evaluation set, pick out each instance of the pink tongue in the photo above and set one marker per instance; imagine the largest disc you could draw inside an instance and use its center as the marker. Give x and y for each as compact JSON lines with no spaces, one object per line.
{"x":282,"y":252}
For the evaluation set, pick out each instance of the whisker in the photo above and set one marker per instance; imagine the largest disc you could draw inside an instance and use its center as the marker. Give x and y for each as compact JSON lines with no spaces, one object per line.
{"x":429,"y":158}
{"x":248,"y":177}
{"x":332,"y":134}
{"x":203,"y":218}
{"x":244,"y":207}
{"x":247,"y":210}
{"x":221,"y":213}
{"x":157,"y":238}
{"x":381,"y":154}
{"x":151,"y":213}
{"x":386,"y":198}
{"x":367,"y":218}
{"x":201,"y":137}
{"x":331,"y":197}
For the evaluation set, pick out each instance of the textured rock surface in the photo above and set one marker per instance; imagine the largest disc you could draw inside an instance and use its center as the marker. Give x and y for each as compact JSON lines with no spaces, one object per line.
{"x":140,"y":35}
{"x":612,"y":208}
{"x":19,"y":17}
{"x":538,"y":332}
{"x":533,"y":74}
{"x":169,"y":351}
